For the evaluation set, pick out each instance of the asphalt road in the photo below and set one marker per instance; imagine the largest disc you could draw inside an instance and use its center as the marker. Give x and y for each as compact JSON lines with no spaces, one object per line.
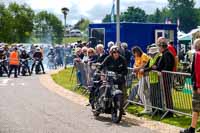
{"x":28,"y":107}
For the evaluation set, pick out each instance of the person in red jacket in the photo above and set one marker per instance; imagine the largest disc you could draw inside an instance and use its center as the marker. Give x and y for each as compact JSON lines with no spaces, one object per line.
{"x":173,"y":50}
{"x":196,"y":88}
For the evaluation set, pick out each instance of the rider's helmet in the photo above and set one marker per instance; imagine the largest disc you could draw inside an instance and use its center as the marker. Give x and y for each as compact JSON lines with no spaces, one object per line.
{"x":51,"y":48}
{"x":114,"y":49}
{"x":38,"y":49}
{"x":1,"y":49}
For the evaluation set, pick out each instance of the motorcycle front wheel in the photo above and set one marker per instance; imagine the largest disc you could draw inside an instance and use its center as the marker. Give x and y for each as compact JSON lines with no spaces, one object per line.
{"x":117,"y":110}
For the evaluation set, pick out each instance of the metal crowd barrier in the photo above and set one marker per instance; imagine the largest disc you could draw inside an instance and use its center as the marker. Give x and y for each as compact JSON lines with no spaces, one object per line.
{"x":84,"y":73}
{"x":164,"y":91}
{"x":155,"y":91}
{"x":177,"y":92}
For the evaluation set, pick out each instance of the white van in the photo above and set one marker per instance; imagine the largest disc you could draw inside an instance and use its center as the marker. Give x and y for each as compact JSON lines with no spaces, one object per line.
{"x":75,"y":33}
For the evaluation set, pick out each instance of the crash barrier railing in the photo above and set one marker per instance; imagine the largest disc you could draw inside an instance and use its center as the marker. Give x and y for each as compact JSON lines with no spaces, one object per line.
{"x":168,"y":92}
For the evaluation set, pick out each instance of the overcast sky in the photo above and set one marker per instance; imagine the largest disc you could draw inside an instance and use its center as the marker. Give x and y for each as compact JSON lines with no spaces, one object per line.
{"x":94,"y":10}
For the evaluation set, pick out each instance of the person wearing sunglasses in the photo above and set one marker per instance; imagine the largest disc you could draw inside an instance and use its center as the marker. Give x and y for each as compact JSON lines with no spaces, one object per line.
{"x":116,"y":63}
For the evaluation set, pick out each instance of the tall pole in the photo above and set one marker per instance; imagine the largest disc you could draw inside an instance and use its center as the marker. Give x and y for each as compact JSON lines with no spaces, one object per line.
{"x":118,"y":23}
{"x":65,"y":20}
{"x":65,"y":12}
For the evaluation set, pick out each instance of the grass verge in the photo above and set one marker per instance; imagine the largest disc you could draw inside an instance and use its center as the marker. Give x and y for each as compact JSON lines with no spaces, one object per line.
{"x":73,"y":39}
{"x":67,"y":79}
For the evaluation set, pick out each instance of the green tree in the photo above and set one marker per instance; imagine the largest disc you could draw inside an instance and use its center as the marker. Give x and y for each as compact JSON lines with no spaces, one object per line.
{"x":21,"y":22}
{"x":5,"y":25}
{"x":131,"y":15}
{"x":107,"y":18}
{"x":82,"y":24}
{"x":184,"y":11}
{"x":198,"y":14}
{"x":134,"y":15}
{"x":159,"y":16}
{"x":48,"y":28}
{"x":16,"y":23}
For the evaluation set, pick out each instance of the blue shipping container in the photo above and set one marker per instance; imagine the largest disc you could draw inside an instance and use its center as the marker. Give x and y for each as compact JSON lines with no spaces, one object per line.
{"x":140,"y":34}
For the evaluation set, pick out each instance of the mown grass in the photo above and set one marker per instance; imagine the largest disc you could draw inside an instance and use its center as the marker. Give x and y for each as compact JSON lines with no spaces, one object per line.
{"x":67,"y":40}
{"x":64,"y":79}
{"x":67,"y":79}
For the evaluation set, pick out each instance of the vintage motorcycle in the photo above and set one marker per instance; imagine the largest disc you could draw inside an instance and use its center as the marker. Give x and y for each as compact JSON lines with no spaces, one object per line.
{"x":37,"y":66}
{"x":106,"y":96}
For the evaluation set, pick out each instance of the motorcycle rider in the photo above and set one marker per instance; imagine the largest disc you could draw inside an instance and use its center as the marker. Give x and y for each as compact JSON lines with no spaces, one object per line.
{"x":38,"y":55}
{"x":51,"y":52}
{"x":117,"y":63}
{"x":51,"y":55}
{"x":24,"y":56}
{"x":3,"y":59}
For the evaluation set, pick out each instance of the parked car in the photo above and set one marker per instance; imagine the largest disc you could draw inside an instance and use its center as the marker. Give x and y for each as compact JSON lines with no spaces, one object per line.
{"x":75,"y":33}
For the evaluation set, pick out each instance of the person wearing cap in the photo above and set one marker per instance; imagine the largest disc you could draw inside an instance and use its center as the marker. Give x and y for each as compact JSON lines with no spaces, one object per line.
{"x":38,"y":56}
{"x":196,"y":88}
{"x":3,"y":59}
{"x":117,"y":63}
{"x":14,"y":62}
{"x":166,"y":63}
{"x":155,"y":91}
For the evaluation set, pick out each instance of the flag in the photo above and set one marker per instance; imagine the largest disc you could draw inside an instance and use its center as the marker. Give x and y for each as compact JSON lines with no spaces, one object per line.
{"x":178,"y":22}
{"x":113,"y":12}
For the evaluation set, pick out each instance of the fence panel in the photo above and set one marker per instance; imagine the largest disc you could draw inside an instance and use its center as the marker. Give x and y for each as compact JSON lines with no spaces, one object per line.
{"x":178,"y":92}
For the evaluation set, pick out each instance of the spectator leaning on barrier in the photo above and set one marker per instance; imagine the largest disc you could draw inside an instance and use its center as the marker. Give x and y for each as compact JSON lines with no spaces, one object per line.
{"x":141,"y":59}
{"x":85,"y":54}
{"x":166,"y":63}
{"x":78,"y":59}
{"x":196,"y":88}
{"x":92,"y":57}
{"x":127,"y":53}
{"x":100,"y":53}
{"x":155,"y":91}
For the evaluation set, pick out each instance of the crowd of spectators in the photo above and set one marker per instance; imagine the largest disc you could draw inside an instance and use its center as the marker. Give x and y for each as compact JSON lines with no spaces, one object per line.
{"x":160,"y":57}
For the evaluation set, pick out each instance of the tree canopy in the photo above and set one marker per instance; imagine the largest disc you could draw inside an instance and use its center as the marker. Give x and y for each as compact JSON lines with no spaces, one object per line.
{"x":182,"y":10}
{"x":19,"y":23}
{"x":16,"y":23}
{"x":48,"y":28}
{"x":82,"y":24}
